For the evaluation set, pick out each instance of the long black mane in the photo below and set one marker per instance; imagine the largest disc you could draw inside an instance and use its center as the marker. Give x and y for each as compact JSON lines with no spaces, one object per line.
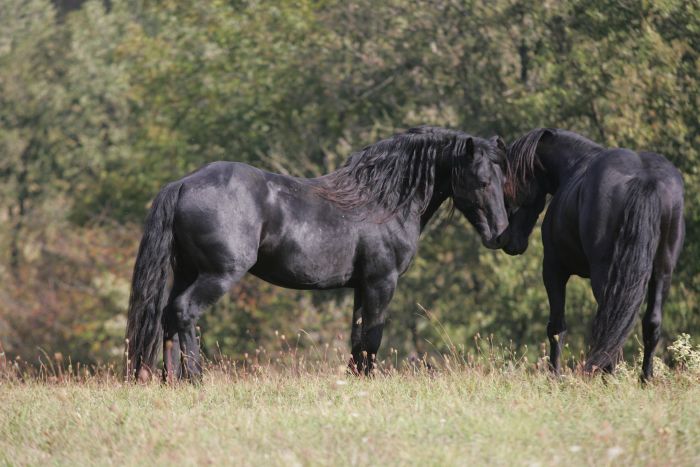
{"x":522,"y":160}
{"x":395,"y":171}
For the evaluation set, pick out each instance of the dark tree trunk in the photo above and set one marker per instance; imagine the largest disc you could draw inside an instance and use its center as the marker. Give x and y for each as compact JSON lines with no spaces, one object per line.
{"x":524,"y":61}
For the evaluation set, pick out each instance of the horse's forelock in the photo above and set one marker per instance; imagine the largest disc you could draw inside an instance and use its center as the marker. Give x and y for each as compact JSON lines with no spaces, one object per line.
{"x":521,"y":161}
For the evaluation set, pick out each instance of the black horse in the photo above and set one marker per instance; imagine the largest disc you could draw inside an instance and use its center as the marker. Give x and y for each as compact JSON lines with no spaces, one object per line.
{"x":357,"y":227}
{"x":615,"y":216}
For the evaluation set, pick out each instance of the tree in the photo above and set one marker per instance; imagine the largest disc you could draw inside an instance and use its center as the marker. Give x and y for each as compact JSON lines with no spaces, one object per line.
{"x":31,"y":63}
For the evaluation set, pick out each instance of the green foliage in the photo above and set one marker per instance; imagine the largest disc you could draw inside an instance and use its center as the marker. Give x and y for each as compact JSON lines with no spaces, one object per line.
{"x":101,"y":107}
{"x":683,"y":354}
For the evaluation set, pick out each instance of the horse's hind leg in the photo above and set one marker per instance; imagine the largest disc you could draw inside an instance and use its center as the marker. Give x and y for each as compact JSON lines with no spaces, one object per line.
{"x":659,"y":285}
{"x":651,"y":323}
{"x":555,"y":282}
{"x":183,"y":278}
{"x":205,"y":291}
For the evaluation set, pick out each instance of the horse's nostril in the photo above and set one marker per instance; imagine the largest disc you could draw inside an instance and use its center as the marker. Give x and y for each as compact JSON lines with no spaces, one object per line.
{"x":491,"y":242}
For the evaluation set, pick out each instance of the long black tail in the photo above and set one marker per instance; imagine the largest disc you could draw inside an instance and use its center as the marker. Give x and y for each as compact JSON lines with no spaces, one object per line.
{"x":631,"y":267}
{"x":144,"y":329}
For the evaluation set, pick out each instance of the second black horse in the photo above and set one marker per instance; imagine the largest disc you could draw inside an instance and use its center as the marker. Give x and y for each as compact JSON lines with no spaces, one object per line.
{"x":615,"y":216}
{"x":357,"y":227}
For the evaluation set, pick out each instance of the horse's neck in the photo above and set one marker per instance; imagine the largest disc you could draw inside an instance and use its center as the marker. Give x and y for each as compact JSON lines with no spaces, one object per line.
{"x":440,"y":194}
{"x":563,"y":156}
{"x":442,"y":189}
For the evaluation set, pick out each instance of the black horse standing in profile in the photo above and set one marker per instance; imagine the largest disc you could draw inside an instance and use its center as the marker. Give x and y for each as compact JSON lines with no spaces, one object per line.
{"x":615,"y":216}
{"x":357,"y":227}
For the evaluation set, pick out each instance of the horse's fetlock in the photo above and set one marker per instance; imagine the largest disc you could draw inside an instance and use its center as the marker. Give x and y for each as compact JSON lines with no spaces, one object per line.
{"x":653,"y":320}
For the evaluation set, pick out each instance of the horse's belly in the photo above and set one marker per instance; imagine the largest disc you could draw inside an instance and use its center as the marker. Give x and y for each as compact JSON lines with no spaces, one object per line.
{"x":298,"y":266}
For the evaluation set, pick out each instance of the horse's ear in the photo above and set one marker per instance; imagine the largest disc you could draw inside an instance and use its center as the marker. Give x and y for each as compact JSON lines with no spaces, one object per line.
{"x":547,"y":132}
{"x":498,"y":141}
{"x":469,"y":149}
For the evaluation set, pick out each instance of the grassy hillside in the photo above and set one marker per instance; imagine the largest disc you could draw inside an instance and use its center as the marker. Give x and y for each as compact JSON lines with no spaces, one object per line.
{"x":474,"y":415}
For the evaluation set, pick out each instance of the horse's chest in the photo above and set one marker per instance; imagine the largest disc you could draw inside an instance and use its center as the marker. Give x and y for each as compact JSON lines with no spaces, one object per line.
{"x":404,"y":257}
{"x":391,"y":251}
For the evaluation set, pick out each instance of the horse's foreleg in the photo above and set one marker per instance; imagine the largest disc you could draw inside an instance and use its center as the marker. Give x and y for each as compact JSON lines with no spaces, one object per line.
{"x":375,"y":300}
{"x":356,"y":334}
{"x":555,"y":282}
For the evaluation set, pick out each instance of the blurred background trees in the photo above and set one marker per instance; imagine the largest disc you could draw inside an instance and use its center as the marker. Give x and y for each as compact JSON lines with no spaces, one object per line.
{"x":101,"y":103}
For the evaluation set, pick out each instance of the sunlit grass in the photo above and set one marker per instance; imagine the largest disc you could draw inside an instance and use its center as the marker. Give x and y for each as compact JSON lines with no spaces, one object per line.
{"x":491,"y":408}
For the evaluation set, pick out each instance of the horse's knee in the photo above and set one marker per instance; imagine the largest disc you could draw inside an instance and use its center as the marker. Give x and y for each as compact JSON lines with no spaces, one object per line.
{"x":189,"y":306}
{"x":184,"y":317}
{"x":555,"y":328}
{"x":652,"y":320}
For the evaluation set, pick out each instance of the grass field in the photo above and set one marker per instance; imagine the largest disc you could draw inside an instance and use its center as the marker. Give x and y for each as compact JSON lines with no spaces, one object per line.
{"x":474,"y":415}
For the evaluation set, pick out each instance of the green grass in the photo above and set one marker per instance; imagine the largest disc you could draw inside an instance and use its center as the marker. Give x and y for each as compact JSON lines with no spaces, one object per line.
{"x":469,"y":416}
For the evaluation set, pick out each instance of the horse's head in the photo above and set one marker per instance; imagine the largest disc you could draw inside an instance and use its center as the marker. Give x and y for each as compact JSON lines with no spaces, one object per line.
{"x":477,"y":189}
{"x":526,"y":191}
{"x":523,"y":211}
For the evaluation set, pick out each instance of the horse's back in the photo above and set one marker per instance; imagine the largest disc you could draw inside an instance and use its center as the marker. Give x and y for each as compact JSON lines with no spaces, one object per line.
{"x":624,"y":164}
{"x":231,"y":215}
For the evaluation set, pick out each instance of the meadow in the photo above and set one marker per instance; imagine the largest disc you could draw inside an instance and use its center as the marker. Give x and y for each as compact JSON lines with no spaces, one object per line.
{"x":478,"y":411}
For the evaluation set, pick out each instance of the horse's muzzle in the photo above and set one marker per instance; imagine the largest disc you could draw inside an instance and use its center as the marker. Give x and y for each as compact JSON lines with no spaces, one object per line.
{"x":512,"y":246}
{"x":495,"y":242}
